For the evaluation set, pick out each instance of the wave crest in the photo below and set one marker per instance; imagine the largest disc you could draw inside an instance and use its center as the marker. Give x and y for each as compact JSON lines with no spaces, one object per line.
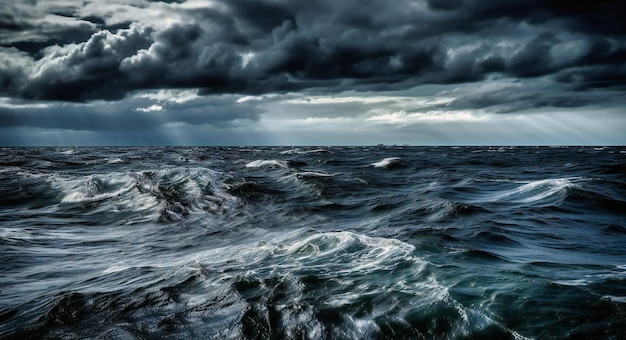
{"x":263,"y":163}
{"x":169,"y":194}
{"x":391,"y":163}
{"x":537,"y":191}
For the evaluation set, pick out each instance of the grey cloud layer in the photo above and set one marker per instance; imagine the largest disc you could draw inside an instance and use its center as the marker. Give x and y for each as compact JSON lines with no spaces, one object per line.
{"x":80,"y":53}
{"x":222,"y":111}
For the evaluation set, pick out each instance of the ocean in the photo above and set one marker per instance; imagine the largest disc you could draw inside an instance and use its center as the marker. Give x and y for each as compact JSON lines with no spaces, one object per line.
{"x":381,"y":242}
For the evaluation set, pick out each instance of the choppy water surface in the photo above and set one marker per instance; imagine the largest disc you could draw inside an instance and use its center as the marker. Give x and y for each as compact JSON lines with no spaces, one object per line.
{"x":361,"y":242}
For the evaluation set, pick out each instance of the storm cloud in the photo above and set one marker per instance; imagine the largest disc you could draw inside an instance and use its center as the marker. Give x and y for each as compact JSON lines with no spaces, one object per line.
{"x":520,"y":55}
{"x":255,"y":47}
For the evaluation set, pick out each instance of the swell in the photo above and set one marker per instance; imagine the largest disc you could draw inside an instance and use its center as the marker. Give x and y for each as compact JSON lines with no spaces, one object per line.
{"x":22,"y":188}
{"x":334,"y":284}
{"x":552,"y":192}
{"x":610,"y":199}
{"x":123,"y":197}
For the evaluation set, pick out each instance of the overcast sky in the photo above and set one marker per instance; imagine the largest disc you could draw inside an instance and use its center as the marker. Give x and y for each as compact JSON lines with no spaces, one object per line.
{"x":312,"y":72}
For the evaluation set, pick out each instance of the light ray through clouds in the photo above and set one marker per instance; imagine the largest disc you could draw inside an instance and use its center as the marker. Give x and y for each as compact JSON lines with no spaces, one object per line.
{"x":195,"y":72}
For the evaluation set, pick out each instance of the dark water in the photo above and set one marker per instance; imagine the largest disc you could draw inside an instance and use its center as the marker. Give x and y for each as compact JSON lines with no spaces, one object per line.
{"x":313,"y":243}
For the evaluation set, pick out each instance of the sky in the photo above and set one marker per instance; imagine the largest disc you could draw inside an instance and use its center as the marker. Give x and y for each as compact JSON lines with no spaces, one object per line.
{"x":312,"y":72}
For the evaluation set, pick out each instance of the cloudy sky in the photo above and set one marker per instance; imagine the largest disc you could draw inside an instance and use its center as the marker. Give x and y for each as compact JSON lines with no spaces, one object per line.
{"x":312,"y":72}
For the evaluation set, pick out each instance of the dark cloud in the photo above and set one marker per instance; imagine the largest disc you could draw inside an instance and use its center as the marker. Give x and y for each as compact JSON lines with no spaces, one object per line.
{"x":246,"y":46}
{"x":534,"y":59}
{"x":262,"y":15}
{"x":583,"y":78}
{"x":25,"y":26}
{"x":517,"y":97}
{"x":136,"y":114}
{"x":86,"y":71}
{"x":445,"y":4}
{"x":14,"y":68}
{"x":600,"y":17}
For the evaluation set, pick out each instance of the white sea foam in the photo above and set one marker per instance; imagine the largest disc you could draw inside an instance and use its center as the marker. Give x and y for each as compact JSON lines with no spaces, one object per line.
{"x":14,"y":169}
{"x":536,"y":191}
{"x":115,"y":160}
{"x":298,"y":151}
{"x":375,"y":252}
{"x":621,"y":299}
{"x":313,"y":174}
{"x":262,"y":163}
{"x":573,"y":283}
{"x":97,"y":187}
{"x":387,"y":162}
{"x":146,"y":195}
{"x":333,"y":253}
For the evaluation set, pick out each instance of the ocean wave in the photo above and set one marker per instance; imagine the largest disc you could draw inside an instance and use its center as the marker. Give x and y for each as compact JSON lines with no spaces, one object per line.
{"x":614,"y":228}
{"x":296,"y":284}
{"x":96,"y":188}
{"x":171,"y":194}
{"x":608,"y":199}
{"x":286,"y":285}
{"x":115,"y":160}
{"x":314,"y":174}
{"x":249,"y":190}
{"x":431,"y":210}
{"x":296,"y":164}
{"x":299,"y":281}
{"x":536,"y":191}
{"x":270,"y":163}
{"x":571,"y":193}
{"x":391,"y":163}
{"x":67,"y":152}
{"x":298,"y":151}
{"x":21,"y":187}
